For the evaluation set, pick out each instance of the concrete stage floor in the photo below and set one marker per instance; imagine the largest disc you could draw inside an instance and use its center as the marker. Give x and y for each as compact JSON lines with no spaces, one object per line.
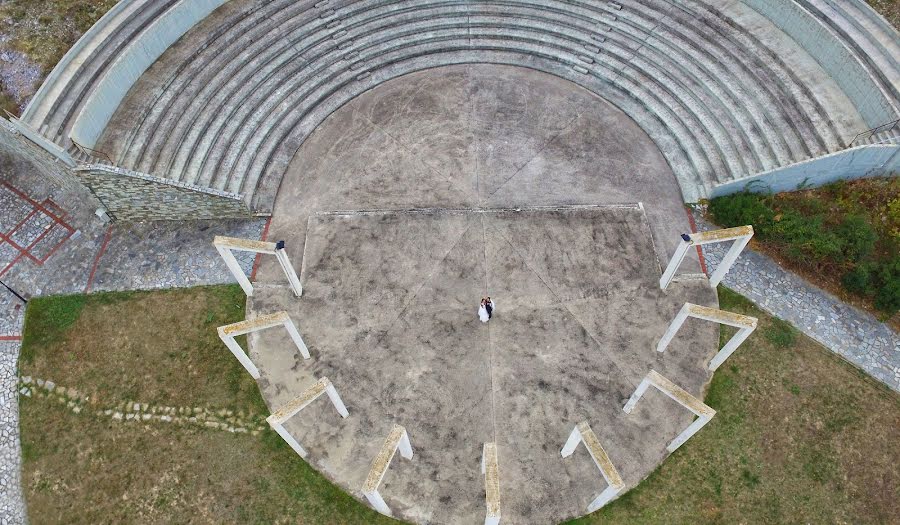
{"x":414,"y":201}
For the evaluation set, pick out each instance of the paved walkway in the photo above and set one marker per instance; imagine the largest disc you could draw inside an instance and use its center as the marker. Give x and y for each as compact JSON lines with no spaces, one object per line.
{"x":12,"y":504}
{"x":851,"y":333}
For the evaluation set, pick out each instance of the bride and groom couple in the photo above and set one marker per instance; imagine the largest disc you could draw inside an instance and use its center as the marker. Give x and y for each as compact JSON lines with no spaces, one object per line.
{"x":486,"y":310}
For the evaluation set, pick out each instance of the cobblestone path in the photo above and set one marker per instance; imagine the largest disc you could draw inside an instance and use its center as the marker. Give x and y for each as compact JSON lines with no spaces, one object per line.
{"x":12,"y":503}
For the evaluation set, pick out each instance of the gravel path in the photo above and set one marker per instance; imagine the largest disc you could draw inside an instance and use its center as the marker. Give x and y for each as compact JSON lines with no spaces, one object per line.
{"x":855,"y":335}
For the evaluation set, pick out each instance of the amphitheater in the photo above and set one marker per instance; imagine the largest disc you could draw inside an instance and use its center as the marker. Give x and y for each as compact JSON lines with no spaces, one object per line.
{"x":415,"y":156}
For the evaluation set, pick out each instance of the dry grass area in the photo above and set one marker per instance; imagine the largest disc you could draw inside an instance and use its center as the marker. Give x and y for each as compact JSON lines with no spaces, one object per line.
{"x":156,"y":348}
{"x":800,"y":436}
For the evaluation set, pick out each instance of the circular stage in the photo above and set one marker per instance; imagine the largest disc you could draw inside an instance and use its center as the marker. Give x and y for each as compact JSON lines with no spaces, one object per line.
{"x":408,"y":205}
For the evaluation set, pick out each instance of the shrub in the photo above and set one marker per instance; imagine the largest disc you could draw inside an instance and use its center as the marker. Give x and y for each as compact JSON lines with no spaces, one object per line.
{"x":887,"y":298}
{"x":807,"y":238}
{"x":860,"y":280}
{"x":858,"y":238}
{"x":739,"y":209}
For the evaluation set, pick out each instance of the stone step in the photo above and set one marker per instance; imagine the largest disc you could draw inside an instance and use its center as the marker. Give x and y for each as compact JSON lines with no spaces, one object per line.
{"x":807,"y":114}
{"x":250,"y":92}
{"x":53,"y":118}
{"x":226,"y":170}
{"x":199,"y":80}
{"x":301,"y":94}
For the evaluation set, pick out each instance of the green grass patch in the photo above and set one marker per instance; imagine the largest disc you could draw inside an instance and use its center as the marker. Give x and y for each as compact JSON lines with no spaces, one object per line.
{"x":158,"y":348}
{"x":47,"y":319}
{"x":780,"y":334}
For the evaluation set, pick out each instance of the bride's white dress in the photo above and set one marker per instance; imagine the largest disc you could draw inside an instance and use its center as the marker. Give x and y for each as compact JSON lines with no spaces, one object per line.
{"x":482,"y":314}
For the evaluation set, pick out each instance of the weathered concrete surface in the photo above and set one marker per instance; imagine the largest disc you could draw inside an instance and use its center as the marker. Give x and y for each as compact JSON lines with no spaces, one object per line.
{"x":476,"y":135}
{"x":389,"y":308}
{"x":389,"y":313}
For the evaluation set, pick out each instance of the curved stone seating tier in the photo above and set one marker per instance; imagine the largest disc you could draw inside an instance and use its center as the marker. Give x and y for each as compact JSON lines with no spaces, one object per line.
{"x":235,"y":98}
{"x":60,"y":97}
{"x":874,"y":42}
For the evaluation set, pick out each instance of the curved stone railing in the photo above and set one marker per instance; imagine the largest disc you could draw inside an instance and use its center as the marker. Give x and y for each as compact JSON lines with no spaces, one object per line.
{"x":58,"y":79}
{"x":140,"y":54}
{"x":835,"y":54}
{"x":873,"y":39}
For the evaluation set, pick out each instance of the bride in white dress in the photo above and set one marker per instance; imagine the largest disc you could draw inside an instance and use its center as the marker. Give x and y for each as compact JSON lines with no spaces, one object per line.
{"x":482,"y":312}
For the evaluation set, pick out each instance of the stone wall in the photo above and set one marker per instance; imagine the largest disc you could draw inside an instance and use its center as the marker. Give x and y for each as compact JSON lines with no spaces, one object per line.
{"x":132,"y":196}
{"x":854,"y":163}
{"x":826,"y":48}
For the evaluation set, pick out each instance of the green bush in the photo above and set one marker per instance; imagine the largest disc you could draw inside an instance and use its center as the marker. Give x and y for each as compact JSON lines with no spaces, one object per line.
{"x":887,"y":299}
{"x":860,"y":280}
{"x":807,"y":238}
{"x":739,"y":209}
{"x":858,"y":238}
{"x":828,"y":231}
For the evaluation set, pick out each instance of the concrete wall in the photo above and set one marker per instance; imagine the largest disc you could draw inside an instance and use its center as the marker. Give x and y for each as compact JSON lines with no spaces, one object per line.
{"x":854,"y":163}
{"x":132,"y":196}
{"x":826,"y":47}
{"x":131,"y":64}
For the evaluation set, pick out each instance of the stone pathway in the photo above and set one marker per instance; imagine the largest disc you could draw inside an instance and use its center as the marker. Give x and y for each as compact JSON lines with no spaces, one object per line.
{"x":851,"y":333}
{"x":12,"y":502}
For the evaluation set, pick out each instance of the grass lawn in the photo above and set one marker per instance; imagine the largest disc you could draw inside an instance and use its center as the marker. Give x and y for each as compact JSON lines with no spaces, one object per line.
{"x":158,"y":348}
{"x":801,"y":436}
{"x":844,"y":237}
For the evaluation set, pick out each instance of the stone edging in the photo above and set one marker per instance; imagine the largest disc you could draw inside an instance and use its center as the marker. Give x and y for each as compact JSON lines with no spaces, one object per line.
{"x":77,"y":402}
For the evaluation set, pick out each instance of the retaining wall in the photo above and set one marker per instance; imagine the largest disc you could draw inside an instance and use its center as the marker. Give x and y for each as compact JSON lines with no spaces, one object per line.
{"x":131,"y":64}
{"x":132,"y":196}
{"x":825,"y":46}
{"x":854,"y":163}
